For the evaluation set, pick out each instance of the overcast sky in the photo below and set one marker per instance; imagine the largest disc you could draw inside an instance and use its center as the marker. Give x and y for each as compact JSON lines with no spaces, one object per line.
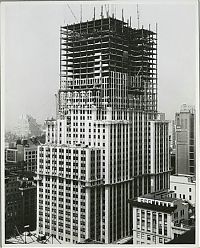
{"x":31,"y":61}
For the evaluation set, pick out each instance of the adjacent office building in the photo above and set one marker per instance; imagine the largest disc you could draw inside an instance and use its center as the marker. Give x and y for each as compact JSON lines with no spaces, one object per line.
{"x":27,"y":189}
{"x":184,"y":187}
{"x":30,"y":156}
{"x":172,"y":134}
{"x":108,"y":143}
{"x":185,"y":140}
{"x":158,"y":219}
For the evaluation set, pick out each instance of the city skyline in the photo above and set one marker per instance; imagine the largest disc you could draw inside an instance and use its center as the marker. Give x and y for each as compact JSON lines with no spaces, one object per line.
{"x":35,"y":64}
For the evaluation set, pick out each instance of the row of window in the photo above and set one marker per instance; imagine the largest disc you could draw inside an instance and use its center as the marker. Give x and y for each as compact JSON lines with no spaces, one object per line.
{"x":183,"y":196}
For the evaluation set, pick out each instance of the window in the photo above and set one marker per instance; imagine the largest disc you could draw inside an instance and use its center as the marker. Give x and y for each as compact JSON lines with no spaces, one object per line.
{"x":174,"y":187}
{"x":160,"y":240}
{"x":190,"y":197}
{"x":183,"y":196}
{"x":190,"y":190}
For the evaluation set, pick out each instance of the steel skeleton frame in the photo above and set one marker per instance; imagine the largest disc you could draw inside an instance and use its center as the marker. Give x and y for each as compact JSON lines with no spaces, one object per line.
{"x":96,"y":49}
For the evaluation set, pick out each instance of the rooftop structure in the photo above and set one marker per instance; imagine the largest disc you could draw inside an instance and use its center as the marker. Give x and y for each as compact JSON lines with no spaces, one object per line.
{"x":158,"y":219}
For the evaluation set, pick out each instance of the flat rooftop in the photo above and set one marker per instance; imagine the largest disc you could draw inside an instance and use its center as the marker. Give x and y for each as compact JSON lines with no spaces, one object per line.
{"x":159,"y":197}
{"x":152,"y":207}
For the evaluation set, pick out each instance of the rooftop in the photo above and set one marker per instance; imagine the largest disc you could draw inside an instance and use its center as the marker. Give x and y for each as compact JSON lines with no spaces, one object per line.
{"x":152,"y":207}
{"x":90,"y":241}
{"x":190,"y":178}
{"x":103,"y":21}
{"x":31,"y":238}
{"x":159,"y":197}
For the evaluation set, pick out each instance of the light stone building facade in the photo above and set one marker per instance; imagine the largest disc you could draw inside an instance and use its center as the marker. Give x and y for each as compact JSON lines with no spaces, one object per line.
{"x":184,"y":187}
{"x":157,"y":220}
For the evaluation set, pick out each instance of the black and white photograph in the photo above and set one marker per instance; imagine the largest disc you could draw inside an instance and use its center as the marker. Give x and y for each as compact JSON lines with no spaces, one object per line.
{"x":99,"y":123}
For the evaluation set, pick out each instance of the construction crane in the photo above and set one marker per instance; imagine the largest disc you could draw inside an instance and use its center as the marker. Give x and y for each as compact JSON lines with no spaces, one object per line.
{"x":72,"y":12}
{"x":138,"y":17}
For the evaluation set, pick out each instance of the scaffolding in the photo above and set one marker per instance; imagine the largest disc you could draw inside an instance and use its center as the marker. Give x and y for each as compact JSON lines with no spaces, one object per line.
{"x":96,"y":49}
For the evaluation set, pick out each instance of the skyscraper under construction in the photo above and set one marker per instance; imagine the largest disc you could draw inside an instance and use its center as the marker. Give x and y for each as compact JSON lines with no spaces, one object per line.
{"x":108,"y":143}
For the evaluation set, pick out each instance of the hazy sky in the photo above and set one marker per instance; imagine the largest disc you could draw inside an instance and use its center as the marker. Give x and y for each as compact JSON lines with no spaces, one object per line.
{"x":31,"y":61}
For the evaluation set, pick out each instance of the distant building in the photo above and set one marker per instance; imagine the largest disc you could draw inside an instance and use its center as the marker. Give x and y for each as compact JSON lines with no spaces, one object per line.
{"x":17,"y":168}
{"x":172,"y":134}
{"x":185,"y":140}
{"x":6,"y":145}
{"x":27,"y":127}
{"x":24,"y":150}
{"x":11,"y":155}
{"x":173,"y":161}
{"x":30,"y":156}
{"x":15,"y":154}
{"x":184,"y":187}
{"x":10,"y":137}
{"x":157,"y":220}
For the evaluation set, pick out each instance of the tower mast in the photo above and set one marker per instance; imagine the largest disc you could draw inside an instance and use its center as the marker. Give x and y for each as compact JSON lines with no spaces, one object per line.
{"x":138,"y":17}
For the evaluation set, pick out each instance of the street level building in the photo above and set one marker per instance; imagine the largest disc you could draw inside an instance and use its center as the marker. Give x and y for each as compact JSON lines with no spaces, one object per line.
{"x":13,"y":204}
{"x":108,"y":143}
{"x":20,"y":203}
{"x":157,"y":220}
{"x":27,"y":188}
